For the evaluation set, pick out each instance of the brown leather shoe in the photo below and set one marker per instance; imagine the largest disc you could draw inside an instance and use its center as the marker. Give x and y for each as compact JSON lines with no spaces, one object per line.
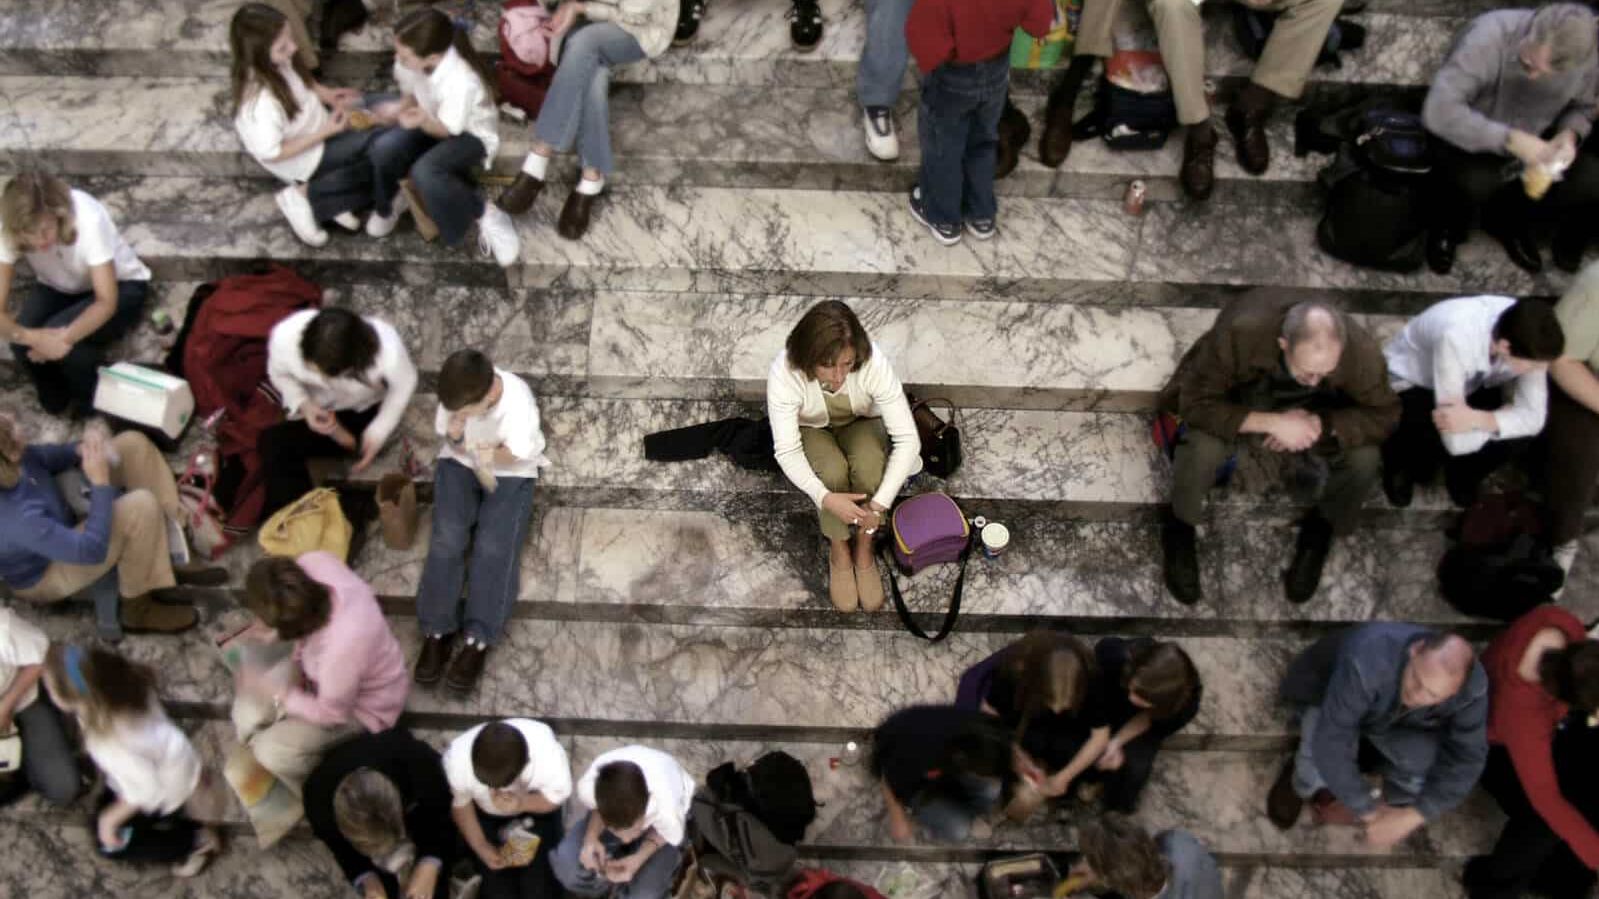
{"x":200,"y":575}
{"x":1283,"y":805}
{"x":1248,"y":127}
{"x":1198,"y":173}
{"x":574,"y":220}
{"x":143,"y":615}
{"x":466,"y":668}
{"x":1055,"y":144}
{"x":431,"y":661}
{"x":519,"y":197}
{"x":1014,"y":132}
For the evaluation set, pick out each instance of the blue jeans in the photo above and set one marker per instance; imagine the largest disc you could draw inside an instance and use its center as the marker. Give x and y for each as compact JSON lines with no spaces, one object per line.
{"x":1408,"y":755}
{"x":577,"y":107}
{"x":653,"y":880}
{"x":72,"y":378}
{"x":947,"y":814}
{"x":881,"y":72}
{"x":493,"y":526}
{"x":440,"y":171}
{"x":959,"y":129}
{"x":342,"y":181}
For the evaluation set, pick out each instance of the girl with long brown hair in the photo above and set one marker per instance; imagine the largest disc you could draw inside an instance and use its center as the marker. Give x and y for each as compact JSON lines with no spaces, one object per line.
{"x":296,"y":127}
{"x":90,"y":287}
{"x":448,"y":126}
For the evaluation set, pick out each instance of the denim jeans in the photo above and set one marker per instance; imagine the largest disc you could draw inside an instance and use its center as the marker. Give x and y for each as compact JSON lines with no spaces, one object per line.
{"x":493,"y":526}
{"x":440,"y":171}
{"x":1408,"y":756}
{"x":947,"y":815}
{"x":342,"y":181}
{"x":881,"y":72}
{"x":653,"y":880}
{"x":72,"y":378}
{"x":959,"y":128}
{"x":577,"y":107}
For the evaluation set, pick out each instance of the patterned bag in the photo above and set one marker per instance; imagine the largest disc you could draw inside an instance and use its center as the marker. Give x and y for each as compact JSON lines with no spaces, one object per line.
{"x":1028,"y":52}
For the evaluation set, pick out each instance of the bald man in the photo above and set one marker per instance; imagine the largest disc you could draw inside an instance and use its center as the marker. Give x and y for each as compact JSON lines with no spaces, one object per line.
{"x":1293,"y":379}
{"x":1400,"y":699}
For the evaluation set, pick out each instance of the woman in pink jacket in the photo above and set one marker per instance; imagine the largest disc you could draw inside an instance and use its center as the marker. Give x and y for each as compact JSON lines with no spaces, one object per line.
{"x":349,"y":673}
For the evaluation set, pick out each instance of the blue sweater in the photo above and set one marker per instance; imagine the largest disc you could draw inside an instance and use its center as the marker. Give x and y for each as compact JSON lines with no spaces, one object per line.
{"x":37,"y":528}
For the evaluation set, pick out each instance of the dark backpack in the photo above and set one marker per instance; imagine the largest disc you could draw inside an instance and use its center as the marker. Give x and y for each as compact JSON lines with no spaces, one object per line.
{"x":776,"y":788}
{"x":1376,"y":192}
{"x":735,"y":848}
{"x":1499,"y":565}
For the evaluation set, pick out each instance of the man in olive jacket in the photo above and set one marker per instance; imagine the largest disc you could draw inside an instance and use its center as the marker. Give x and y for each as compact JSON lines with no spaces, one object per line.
{"x":1306,"y":379}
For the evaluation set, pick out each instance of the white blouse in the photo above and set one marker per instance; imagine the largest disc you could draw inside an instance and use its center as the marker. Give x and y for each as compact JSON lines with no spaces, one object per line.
{"x":148,"y":762}
{"x":390,"y":381}
{"x":455,"y":95}
{"x":66,"y":266}
{"x":264,"y":127}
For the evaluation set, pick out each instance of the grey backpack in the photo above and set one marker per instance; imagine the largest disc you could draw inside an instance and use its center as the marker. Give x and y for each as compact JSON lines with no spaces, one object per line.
{"x":735,"y":847}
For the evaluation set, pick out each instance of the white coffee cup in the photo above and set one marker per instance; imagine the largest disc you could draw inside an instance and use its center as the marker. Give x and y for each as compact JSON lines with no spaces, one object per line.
{"x":995,"y":537}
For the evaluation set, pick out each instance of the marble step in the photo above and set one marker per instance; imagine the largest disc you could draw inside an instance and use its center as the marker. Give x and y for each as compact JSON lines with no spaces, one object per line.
{"x":668,"y":133}
{"x":744,"y":43}
{"x":767,"y":240}
{"x":1227,"y":813}
{"x":650,"y":679}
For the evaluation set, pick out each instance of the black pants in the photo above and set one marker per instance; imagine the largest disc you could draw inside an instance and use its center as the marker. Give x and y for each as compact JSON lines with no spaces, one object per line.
{"x":1466,"y":183}
{"x":72,"y":378}
{"x":1528,"y":855}
{"x":286,"y":447}
{"x":1570,"y":452}
{"x":342,"y":181}
{"x":1417,"y":447}
{"x":160,"y":839}
{"x":532,"y":881}
{"x":1125,"y":785}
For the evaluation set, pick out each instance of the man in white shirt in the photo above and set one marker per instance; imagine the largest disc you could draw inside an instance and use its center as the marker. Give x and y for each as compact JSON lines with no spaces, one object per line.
{"x":1471,"y":374}
{"x":626,"y":846}
{"x":487,"y":466}
{"x":504,"y":775}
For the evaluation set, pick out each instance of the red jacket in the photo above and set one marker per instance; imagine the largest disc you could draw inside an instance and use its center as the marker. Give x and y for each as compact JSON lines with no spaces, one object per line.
{"x":812,"y":879}
{"x":1522,"y":718}
{"x":967,"y":31}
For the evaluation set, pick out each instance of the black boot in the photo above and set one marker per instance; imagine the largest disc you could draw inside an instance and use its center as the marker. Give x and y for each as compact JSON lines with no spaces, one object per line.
{"x":340,"y":17}
{"x":1304,"y":574}
{"x":1056,"y":141}
{"x":1180,"y":551}
{"x":1014,"y":131}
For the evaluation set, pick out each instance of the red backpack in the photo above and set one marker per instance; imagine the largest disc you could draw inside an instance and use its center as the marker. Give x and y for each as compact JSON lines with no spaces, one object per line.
{"x":521,"y":84}
{"x":223,"y":353}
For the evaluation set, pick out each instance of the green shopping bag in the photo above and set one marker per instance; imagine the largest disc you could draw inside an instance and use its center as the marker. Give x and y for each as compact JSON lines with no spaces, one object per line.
{"x":1028,"y":52}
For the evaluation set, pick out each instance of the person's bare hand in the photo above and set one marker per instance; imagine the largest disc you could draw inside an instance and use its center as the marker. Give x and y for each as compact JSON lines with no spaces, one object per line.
{"x":1527,"y":148}
{"x":592,"y":856}
{"x":412,"y":117}
{"x":1112,"y":758}
{"x":1295,"y":430}
{"x":49,"y":345}
{"x":565,"y":17}
{"x":1386,"y":827}
{"x":96,"y":462}
{"x":846,"y":507}
{"x":1457,"y":418}
{"x":338,"y":123}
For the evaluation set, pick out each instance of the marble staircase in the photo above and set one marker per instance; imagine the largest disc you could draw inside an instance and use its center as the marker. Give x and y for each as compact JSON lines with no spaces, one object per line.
{"x":684,"y":605}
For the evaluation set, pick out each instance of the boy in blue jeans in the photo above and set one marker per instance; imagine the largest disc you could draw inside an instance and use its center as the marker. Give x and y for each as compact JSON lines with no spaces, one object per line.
{"x":482,"y":502}
{"x":962,"y":48}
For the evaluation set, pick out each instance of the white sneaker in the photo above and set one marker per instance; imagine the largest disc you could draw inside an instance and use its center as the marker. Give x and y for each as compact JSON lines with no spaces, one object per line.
{"x":496,"y":234}
{"x":297,"y":209}
{"x":349,"y":221}
{"x":383,"y":225}
{"x":882,"y":141}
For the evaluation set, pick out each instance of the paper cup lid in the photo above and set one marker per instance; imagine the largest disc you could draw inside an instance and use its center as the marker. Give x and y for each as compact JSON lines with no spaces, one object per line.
{"x":995,"y":534}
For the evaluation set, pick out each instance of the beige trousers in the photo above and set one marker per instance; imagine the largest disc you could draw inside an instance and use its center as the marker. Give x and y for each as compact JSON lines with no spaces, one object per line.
{"x":289,"y":748}
{"x":298,"y":11}
{"x":1291,"y":50}
{"x":138,"y":549}
{"x":848,"y":459}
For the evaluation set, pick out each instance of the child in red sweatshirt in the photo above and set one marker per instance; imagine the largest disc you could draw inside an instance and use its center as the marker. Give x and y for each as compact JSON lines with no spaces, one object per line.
{"x":962,"y":48}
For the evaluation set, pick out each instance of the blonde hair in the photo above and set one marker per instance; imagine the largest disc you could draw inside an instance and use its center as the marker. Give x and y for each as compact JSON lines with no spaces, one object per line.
{"x":28,"y":200}
{"x":369,"y":811}
{"x":100,"y":685}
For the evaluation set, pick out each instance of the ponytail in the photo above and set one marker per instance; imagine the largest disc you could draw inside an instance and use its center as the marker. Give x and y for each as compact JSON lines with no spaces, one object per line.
{"x":428,"y":31}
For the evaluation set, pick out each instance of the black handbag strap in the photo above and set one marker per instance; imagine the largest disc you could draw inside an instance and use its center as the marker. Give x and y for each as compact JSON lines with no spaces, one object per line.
{"x":905,"y":618}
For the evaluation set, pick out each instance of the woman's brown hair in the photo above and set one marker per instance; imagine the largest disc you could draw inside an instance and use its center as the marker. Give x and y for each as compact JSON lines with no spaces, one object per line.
{"x":427,"y":31}
{"x":822,"y":335}
{"x":370,"y":812}
{"x":250,"y":36}
{"x":1124,"y":856}
{"x":281,"y":594}
{"x":31,"y":197}
{"x":100,"y":685}
{"x":1050,"y":670}
{"x":1164,"y":675}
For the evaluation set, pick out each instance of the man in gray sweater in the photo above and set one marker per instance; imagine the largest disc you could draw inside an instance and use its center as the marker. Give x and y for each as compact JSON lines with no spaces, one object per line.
{"x":1517,"y":92}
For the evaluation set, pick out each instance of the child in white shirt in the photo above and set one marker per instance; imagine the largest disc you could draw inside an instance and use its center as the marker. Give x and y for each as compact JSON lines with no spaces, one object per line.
{"x":283,"y":118}
{"x":491,"y":455}
{"x":506,"y":775}
{"x":448,"y":126}
{"x":638,"y":800}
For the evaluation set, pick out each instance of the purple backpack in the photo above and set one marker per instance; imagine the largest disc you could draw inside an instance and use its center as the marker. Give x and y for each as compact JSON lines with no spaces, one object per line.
{"x":929,"y":529}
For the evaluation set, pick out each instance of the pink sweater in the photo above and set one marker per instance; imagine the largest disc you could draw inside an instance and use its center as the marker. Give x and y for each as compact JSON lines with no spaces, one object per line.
{"x":354,"y":668}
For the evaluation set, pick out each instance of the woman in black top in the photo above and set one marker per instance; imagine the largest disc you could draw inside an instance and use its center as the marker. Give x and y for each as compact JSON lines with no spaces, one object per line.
{"x":381,"y":804}
{"x":1045,"y":688}
{"x":1151,"y":691}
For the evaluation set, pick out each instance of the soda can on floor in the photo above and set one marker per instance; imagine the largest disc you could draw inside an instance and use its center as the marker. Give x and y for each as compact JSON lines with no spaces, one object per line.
{"x":1133,"y":202}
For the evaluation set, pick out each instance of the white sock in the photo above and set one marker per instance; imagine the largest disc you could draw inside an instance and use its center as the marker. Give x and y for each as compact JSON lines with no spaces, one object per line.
{"x":590,"y":188}
{"x":536,"y":166}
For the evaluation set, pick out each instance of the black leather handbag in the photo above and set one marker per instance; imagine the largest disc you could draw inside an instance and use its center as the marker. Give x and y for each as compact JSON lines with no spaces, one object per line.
{"x":941,"y":440}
